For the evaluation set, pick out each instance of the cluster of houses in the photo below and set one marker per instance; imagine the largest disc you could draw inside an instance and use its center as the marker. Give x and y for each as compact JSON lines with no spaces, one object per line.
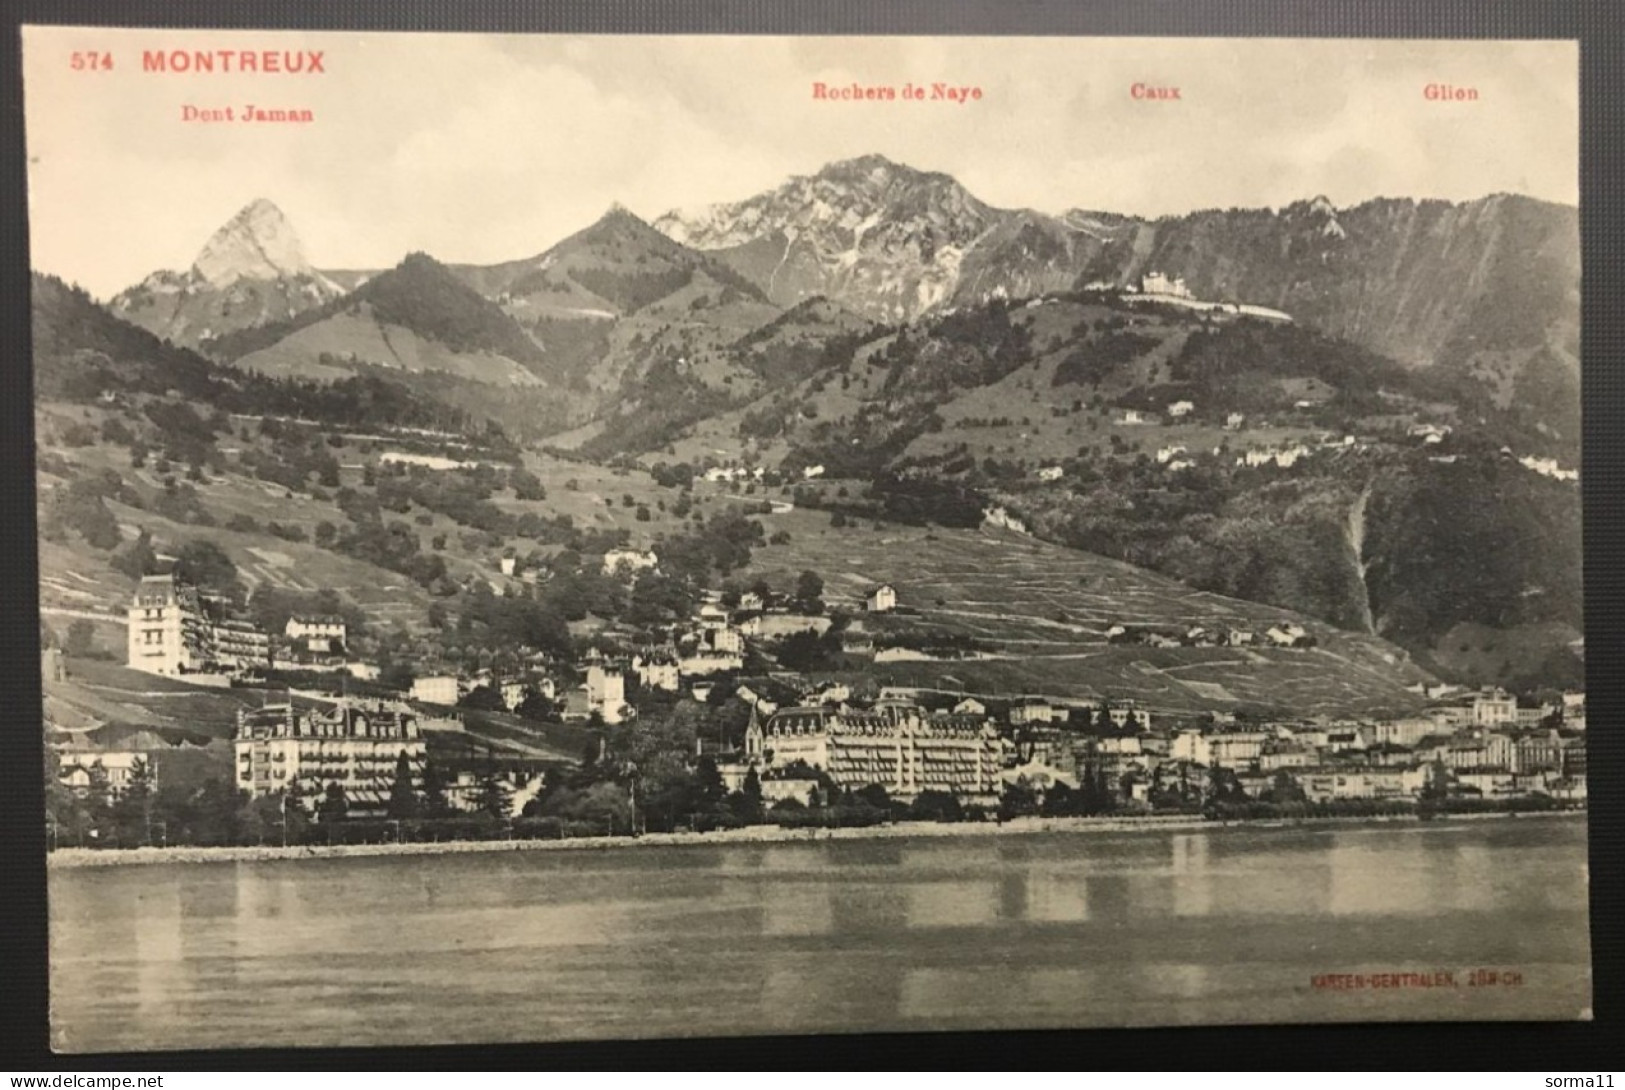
{"x":803,"y":732}
{"x":175,"y":629}
{"x":1481,"y":745}
{"x":1283,"y":634}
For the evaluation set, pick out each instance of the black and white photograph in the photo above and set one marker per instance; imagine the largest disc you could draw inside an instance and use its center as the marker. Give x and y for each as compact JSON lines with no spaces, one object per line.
{"x":591,"y":537}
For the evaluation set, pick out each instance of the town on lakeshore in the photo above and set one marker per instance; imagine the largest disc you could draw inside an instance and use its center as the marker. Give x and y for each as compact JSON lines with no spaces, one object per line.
{"x":665,"y":537}
{"x":721,"y":720}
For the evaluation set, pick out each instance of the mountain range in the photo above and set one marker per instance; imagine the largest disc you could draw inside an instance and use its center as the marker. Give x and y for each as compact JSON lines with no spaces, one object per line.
{"x":1486,"y":289}
{"x":891,"y":329}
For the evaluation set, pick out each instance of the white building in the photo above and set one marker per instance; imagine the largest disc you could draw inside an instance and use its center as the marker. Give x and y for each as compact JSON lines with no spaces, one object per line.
{"x":438,"y":689}
{"x":318,"y":634}
{"x":1180,"y":409}
{"x":882,"y":599}
{"x":355,"y":745}
{"x":774,"y":625}
{"x":1156,"y":283}
{"x":80,"y":771}
{"x":172,"y":630}
{"x":625,"y":561}
{"x":606,"y":693}
{"x":707,"y":663}
{"x":1051,"y":473}
{"x":657,"y":672}
{"x":1494,"y":708}
{"x":896,"y":747}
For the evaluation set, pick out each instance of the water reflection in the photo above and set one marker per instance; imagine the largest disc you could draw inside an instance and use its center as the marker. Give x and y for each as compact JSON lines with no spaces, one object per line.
{"x":1056,"y":897}
{"x":800,"y":908}
{"x":853,"y":935}
{"x":952,"y":904}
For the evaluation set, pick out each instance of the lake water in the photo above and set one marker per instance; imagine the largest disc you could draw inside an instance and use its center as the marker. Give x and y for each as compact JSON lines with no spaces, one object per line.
{"x":1048,"y":929}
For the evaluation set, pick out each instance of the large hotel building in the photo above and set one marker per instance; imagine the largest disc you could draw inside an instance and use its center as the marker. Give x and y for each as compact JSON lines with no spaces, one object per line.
{"x":355,"y":745}
{"x":174,"y":629}
{"x":895,"y":744}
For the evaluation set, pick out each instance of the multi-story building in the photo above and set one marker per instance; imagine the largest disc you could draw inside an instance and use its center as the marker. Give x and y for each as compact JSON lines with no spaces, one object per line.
{"x":606,"y":693}
{"x":241,"y":645}
{"x":1229,"y":749}
{"x":896,"y":746}
{"x":1494,"y":708}
{"x":320,"y":635}
{"x":168,"y":630}
{"x":1403,"y":732}
{"x":355,"y":745}
{"x":173,"y":629}
{"x":657,"y":670}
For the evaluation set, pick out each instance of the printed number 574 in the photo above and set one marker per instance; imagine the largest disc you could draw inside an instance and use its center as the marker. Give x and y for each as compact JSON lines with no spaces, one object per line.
{"x":91,"y":62}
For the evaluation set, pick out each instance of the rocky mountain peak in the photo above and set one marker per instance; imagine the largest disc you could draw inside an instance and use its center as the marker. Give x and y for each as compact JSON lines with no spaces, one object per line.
{"x":258,"y":243}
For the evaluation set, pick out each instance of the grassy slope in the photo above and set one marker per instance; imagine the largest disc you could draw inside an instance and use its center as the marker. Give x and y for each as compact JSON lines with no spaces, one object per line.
{"x":1012,"y":591}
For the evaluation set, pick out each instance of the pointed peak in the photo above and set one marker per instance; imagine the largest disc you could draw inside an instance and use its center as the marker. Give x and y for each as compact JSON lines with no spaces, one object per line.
{"x":619,"y":213}
{"x":260,"y":206}
{"x":258,"y":243}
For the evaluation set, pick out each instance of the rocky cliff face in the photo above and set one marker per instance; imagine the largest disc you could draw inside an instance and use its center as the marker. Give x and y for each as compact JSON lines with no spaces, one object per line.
{"x":885,"y":240}
{"x":251,"y":271}
{"x":1488,"y":289}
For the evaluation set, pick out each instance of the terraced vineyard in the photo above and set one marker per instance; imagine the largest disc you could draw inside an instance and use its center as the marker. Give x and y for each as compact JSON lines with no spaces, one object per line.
{"x":1045,"y":610}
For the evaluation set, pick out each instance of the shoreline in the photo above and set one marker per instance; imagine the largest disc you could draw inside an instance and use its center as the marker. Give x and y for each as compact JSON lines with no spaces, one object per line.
{"x":76,"y":858}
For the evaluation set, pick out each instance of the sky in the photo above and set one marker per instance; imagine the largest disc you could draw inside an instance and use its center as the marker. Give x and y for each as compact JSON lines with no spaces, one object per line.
{"x":480,"y":148}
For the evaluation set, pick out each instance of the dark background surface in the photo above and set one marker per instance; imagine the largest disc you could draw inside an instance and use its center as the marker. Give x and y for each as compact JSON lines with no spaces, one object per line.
{"x":1578,"y":1047}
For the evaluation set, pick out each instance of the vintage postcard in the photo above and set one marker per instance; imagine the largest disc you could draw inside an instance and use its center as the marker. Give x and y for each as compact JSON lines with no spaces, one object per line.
{"x":581,"y":537}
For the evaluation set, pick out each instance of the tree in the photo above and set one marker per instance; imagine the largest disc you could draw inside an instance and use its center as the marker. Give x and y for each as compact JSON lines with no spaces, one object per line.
{"x":483,"y":698}
{"x":537,"y":707}
{"x":131,"y":812}
{"x":204,"y":564}
{"x":494,"y":796}
{"x":746,"y":803}
{"x":1437,"y":786}
{"x":810,"y":591}
{"x":138,"y":558}
{"x":1285,"y":789}
{"x":403,"y":800}
{"x":1018,"y":800}
{"x":807,"y":651}
{"x":82,"y":639}
{"x":334,"y":805}
{"x":526,"y":485}
{"x":709,"y":789}
{"x":434,"y":790}
{"x":1062,"y":801}
{"x":941,"y":806}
